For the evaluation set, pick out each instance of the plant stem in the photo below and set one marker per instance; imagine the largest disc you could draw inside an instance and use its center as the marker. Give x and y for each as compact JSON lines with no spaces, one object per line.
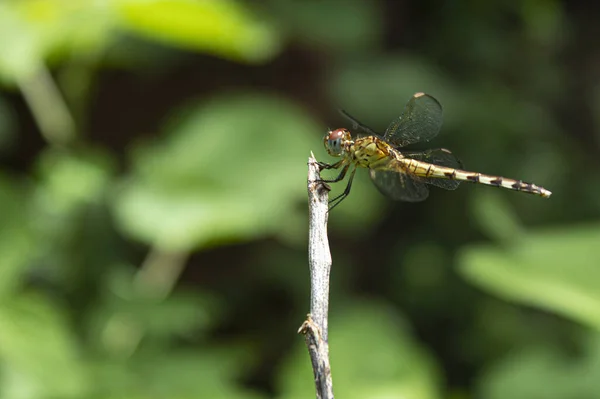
{"x":319,"y":258}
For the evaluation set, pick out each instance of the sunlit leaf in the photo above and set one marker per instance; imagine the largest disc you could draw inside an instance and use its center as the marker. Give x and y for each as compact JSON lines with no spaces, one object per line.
{"x":222,"y":27}
{"x":37,"y":349}
{"x":84,"y":25}
{"x":22,"y":50}
{"x":31,"y":31}
{"x":556,"y":270}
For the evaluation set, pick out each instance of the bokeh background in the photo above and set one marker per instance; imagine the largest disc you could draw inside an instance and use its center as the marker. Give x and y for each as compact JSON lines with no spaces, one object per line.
{"x":153,"y":217}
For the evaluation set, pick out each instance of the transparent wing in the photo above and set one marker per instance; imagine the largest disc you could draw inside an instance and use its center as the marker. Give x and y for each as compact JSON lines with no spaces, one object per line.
{"x":357,"y":126}
{"x":441,"y":157}
{"x":399,"y":186}
{"x":436,"y":156}
{"x":421,"y":121}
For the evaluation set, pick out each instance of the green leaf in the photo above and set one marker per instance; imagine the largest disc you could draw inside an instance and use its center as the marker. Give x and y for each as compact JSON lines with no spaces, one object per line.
{"x":231,"y":169}
{"x":37,"y":351}
{"x":526,"y":374}
{"x":493,"y":213}
{"x":209,"y":373}
{"x":128,"y":314}
{"x":31,"y":31}
{"x":22,"y":50}
{"x":372,"y":355}
{"x":222,"y":27}
{"x":67,"y":206}
{"x":72,"y":179}
{"x":556,"y":270}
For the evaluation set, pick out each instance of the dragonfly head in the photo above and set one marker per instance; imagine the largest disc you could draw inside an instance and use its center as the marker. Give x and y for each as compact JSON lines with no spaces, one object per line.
{"x":335,"y":141}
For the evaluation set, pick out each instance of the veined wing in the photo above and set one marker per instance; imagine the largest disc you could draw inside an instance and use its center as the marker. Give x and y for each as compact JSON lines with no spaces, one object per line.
{"x":356,"y":125}
{"x":440,"y":157}
{"x":421,"y":121}
{"x":399,"y":186}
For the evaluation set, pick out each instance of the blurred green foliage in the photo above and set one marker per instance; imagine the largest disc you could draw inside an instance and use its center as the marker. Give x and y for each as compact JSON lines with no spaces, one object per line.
{"x":176,"y":201}
{"x":384,"y":362}
{"x":152,"y":187}
{"x":36,"y":30}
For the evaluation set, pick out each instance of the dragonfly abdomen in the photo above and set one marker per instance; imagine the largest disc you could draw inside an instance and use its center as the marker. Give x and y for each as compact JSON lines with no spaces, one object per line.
{"x":499,"y":181}
{"x":424,"y":169}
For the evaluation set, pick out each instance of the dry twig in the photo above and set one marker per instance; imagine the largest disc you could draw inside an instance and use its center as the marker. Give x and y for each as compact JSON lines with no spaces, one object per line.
{"x":319,"y":257}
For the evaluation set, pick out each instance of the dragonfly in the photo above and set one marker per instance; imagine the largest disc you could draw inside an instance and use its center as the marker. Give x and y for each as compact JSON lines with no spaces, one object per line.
{"x":405,"y":175}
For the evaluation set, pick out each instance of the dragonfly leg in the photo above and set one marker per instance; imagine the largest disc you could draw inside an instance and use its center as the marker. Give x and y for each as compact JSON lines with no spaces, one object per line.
{"x":340,"y":176}
{"x":337,"y":200}
{"x":323,"y":165}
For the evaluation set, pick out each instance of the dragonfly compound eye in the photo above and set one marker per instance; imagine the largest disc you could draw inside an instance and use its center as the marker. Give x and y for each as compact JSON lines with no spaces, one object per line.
{"x":334,"y":142}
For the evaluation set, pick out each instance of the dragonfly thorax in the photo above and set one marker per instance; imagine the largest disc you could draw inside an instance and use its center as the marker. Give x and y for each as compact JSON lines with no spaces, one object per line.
{"x":336,"y":141}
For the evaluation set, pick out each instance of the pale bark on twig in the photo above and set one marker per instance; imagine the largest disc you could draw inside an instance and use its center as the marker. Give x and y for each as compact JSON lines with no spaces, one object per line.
{"x":319,"y":258}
